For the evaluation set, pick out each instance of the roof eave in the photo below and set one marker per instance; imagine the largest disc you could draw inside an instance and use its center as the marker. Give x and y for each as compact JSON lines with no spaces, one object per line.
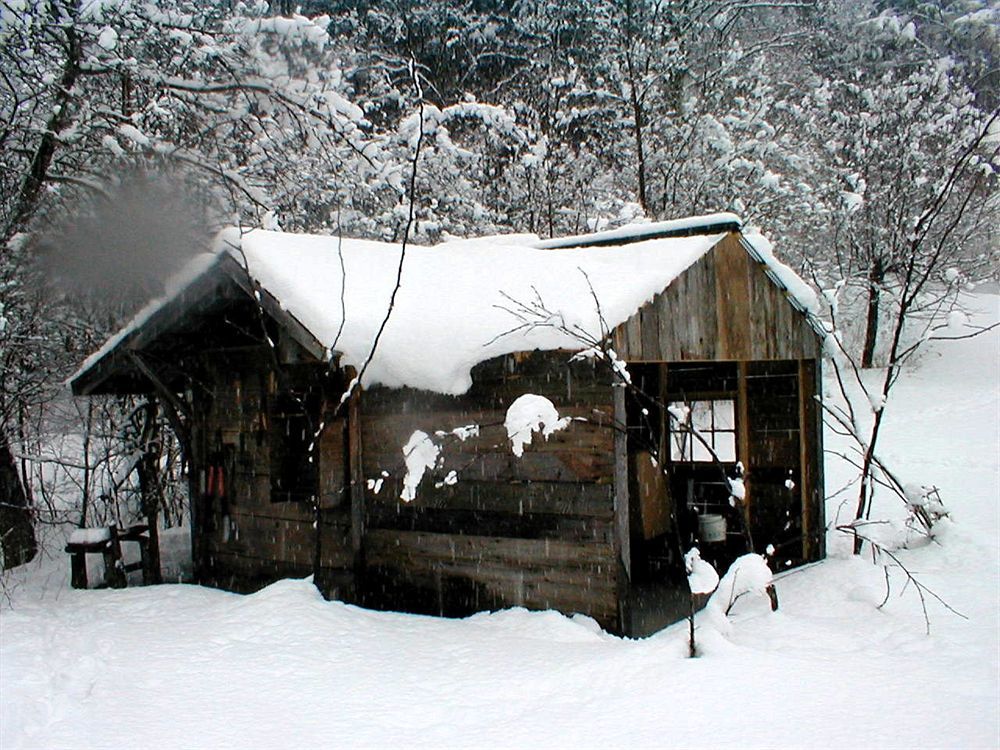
{"x":814,"y":322}
{"x":116,"y":363}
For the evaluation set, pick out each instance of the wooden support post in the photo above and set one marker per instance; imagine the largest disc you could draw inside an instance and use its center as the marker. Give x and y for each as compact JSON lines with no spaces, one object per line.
{"x":743,"y":443}
{"x":622,"y":529}
{"x":150,"y":572}
{"x":150,"y":487}
{"x":179,"y":414}
{"x":810,"y":462}
{"x":177,"y":411}
{"x":196,"y":465}
{"x":149,"y":548}
{"x":114,"y":570}
{"x":78,"y":570}
{"x":816,"y":455}
{"x":622,"y":526}
{"x":664,"y":457}
{"x":356,"y":473}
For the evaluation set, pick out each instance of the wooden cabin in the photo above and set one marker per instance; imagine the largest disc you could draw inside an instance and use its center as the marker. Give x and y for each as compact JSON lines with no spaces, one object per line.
{"x":252,"y":352}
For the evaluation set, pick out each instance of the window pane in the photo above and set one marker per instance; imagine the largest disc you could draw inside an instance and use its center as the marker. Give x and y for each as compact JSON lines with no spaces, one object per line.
{"x":725,"y":418}
{"x":700,"y":452}
{"x":701,"y":415}
{"x":677,"y":445}
{"x":679,"y":413}
{"x":715,"y":421}
{"x":725,"y":446}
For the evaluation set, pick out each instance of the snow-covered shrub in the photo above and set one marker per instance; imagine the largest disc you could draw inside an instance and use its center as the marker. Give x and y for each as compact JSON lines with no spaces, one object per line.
{"x":749,"y":574}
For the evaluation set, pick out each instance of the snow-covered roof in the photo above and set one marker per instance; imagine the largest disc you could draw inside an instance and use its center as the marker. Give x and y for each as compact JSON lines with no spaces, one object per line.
{"x":705,"y":224}
{"x":455,"y":299}
{"x":453,"y":308}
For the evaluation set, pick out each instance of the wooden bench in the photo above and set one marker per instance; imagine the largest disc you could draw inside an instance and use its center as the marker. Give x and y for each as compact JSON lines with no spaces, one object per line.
{"x":107,"y":541}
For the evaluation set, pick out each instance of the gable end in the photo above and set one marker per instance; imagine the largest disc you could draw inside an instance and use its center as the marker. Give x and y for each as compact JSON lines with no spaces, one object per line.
{"x":728,"y":305}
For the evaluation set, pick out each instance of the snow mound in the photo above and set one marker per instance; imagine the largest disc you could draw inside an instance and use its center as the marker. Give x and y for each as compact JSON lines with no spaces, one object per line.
{"x":749,"y":574}
{"x":702,"y":578}
{"x":529,"y":414}
{"x":547,"y":625}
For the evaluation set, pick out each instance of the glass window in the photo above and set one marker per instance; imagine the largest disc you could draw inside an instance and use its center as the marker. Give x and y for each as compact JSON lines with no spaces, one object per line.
{"x":714,"y":420}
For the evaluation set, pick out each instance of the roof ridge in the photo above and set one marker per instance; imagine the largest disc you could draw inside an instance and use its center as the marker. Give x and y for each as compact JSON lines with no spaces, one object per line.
{"x":688,"y":227}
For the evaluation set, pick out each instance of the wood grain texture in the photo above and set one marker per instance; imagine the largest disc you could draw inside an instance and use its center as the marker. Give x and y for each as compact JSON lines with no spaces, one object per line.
{"x":567,"y":576}
{"x":264,"y":538}
{"x":535,"y":530}
{"x":723,"y":307}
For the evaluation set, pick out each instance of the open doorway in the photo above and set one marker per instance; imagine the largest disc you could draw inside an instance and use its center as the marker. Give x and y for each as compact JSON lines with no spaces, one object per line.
{"x":678,"y":492}
{"x":679,"y":495}
{"x":748,"y":417}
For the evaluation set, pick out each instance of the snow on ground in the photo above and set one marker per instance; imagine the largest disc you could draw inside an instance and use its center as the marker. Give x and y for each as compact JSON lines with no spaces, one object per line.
{"x":180,"y":666}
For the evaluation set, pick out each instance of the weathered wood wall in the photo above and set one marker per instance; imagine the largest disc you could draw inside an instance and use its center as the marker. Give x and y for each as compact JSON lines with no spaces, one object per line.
{"x":724,"y":307}
{"x":244,"y":540}
{"x":774,"y":458}
{"x":535,"y":531}
{"x":813,"y":491}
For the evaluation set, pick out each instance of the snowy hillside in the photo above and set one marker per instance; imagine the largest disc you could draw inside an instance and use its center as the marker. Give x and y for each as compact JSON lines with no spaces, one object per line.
{"x":180,"y":666}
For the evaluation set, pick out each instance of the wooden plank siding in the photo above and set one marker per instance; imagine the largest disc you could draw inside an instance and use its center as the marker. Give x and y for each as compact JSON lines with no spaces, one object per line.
{"x":467,"y":573}
{"x":244,"y":540}
{"x":723,"y":307}
{"x":776,"y":444}
{"x":813,"y":500}
{"x":535,"y":531}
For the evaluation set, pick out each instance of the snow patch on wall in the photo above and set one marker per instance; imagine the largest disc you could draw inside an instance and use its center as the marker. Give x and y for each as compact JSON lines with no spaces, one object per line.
{"x":420,"y":454}
{"x":529,"y":414}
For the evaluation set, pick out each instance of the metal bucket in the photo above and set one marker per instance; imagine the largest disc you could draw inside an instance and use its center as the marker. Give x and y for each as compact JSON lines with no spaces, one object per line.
{"x":712,"y":527}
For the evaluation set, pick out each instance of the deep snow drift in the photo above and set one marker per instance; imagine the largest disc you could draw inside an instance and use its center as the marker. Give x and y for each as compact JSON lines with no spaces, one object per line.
{"x":181,"y":666}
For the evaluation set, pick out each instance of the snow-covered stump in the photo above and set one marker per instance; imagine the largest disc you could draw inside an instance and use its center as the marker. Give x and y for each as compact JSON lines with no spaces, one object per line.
{"x":702,"y":581}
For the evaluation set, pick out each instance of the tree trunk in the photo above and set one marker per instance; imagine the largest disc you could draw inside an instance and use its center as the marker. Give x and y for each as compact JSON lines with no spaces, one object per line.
{"x":31,"y":188}
{"x":692,"y":648}
{"x":17,"y":534}
{"x":876,"y":276}
{"x":638,"y":121}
